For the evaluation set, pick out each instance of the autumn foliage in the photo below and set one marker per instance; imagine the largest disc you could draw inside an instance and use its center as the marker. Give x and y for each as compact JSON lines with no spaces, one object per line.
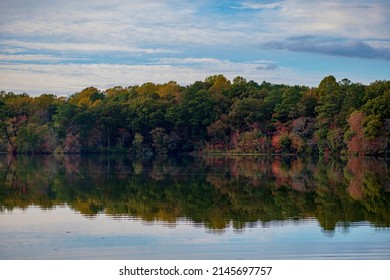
{"x":215,"y":115}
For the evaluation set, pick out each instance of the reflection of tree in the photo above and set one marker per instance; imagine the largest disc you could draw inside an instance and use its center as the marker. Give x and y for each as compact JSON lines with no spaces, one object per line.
{"x":26,"y":181}
{"x":215,"y":191}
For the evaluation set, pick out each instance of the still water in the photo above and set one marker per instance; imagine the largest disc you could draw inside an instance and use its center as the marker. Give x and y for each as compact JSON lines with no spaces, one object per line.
{"x":74,"y":207}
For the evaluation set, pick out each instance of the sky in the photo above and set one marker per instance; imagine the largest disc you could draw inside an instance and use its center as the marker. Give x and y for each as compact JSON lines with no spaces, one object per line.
{"x":61,"y":47}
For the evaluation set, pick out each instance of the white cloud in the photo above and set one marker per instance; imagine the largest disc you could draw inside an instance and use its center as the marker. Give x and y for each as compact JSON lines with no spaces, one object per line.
{"x":83,"y":47}
{"x":189,"y":60}
{"x":355,"y":19}
{"x":138,"y":23}
{"x":67,"y":79}
{"x":119,"y":22}
{"x":32,"y":57}
{"x":260,"y":6}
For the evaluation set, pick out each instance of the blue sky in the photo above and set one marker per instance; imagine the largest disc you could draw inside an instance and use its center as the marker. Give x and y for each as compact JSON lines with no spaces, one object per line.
{"x":61,"y":47}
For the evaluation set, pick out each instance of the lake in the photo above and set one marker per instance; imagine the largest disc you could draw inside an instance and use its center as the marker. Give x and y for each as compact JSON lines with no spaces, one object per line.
{"x":214,"y":207}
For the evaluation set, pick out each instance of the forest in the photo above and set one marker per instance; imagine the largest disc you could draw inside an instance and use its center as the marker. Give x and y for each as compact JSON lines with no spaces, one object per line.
{"x":215,"y":115}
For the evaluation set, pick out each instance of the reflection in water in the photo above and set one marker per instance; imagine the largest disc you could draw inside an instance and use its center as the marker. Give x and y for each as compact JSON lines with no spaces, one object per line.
{"x":217,"y":192}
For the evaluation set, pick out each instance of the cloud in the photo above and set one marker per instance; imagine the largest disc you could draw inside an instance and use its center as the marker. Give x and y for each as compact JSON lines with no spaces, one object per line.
{"x":356,"y":20}
{"x":157,"y":25}
{"x":219,"y":65}
{"x":260,"y":6}
{"x":268,"y":66}
{"x":65,"y":79}
{"x":60,"y":46}
{"x":32,"y":58}
{"x":190,"y":61}
{"x":327,"y":46}
{"x":118,"y":23}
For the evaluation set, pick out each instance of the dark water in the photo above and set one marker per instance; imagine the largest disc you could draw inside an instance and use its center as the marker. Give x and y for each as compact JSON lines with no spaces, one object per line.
{"x":74,"y":207}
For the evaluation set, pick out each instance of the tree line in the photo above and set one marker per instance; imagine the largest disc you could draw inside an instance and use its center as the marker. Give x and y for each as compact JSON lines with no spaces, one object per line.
{"x":214,"y":115}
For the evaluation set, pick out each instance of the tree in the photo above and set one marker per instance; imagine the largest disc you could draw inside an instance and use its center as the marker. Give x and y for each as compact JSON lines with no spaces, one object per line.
{"x":145,"y":113}
{"x":195,"y":113}
{"x":288,"y":107}
{"x":16,"y":112}
{"x":245,"y":112}
{"x":330,"y":98}
{"x":87,"y":97}
{"x":218,"y":84}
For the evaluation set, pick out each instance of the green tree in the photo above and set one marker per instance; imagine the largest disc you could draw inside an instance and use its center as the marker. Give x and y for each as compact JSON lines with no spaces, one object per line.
{"x":288,"y":107}
{"x":194,"y":114}
{"x":330,"y":98}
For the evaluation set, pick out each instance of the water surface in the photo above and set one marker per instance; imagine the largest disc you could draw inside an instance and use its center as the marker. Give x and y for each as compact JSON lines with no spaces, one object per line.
{"x":74,"y":207}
